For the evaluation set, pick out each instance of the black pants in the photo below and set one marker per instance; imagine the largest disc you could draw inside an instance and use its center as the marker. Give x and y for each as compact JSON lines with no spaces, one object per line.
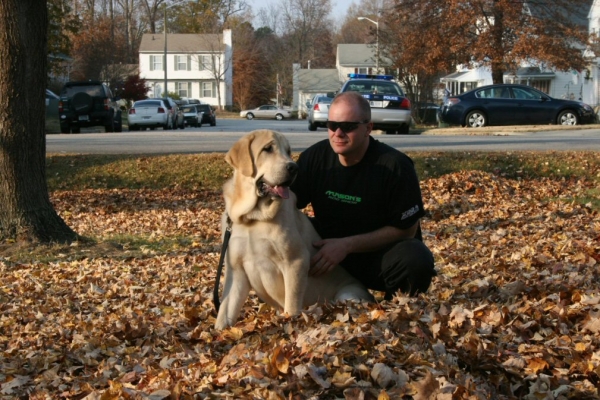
{"x":406,"y":265}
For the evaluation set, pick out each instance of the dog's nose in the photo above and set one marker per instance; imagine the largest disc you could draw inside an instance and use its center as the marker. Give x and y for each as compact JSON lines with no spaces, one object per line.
{"x":292,"y":167}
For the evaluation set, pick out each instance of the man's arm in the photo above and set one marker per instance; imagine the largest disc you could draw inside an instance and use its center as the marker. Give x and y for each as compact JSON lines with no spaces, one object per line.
{"x":333,"y":251}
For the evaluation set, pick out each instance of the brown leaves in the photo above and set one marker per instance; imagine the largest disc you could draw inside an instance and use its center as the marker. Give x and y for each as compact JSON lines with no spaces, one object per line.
{"x":513,"y":313}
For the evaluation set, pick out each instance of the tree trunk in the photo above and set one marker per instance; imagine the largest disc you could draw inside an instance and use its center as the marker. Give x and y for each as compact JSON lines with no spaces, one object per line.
{"x":25,"y":209}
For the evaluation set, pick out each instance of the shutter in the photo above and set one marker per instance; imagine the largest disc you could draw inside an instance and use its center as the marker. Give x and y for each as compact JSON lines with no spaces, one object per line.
{"x":151,"y":63}
{"x":189,"y":62}
{"x":214,"y":89}
{"x":175,"y":64}
{"x":189,"y":89}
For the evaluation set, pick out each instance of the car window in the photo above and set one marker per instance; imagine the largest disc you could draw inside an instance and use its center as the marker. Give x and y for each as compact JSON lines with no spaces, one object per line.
{"x":324,"y":99}
{"x":148,"y":103}
{"x":189,"y":109}
{"x":493,"y":93}
{"x":94,"y":90}
{"x":374,"y":87}
{"x":525,"y":94}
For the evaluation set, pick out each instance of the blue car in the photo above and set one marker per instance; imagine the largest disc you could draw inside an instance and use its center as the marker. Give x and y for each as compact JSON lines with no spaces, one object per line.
{"x":511,"y":104}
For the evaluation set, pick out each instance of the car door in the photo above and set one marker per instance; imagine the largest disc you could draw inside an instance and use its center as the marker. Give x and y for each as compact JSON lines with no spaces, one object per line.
{"x":499,"y":106}
{"x":534,"y":107}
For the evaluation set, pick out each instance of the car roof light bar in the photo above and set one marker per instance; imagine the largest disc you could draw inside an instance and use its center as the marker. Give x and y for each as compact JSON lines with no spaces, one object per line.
{"x":369,"y":76}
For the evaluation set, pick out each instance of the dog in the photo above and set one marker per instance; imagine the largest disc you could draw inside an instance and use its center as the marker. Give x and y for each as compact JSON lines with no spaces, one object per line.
{"x":271,"y":239}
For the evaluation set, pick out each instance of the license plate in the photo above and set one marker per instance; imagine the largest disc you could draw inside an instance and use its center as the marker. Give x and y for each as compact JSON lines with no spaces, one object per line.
{"x":84,"y":117}
{"x":376,"y":104}
{"x":148,"y":117}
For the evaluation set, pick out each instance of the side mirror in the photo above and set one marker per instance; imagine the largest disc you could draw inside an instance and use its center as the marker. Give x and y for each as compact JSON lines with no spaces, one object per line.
{"x":308,"y":104}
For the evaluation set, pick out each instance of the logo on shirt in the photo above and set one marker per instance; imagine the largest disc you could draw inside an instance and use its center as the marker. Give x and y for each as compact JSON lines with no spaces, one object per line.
{"x":410,"y":212}
{"x":344,"y":198}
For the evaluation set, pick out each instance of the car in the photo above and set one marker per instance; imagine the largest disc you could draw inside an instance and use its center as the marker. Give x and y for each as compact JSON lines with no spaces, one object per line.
{"x":209,"y":116}
{"x":318,"y":111}
{"x":192,"y":116}
{"x":176,"y":114}
{"x":149,"y":113}
{"x":86,"y":104}
{"x":512,"y":104}
{"x":266,"y":111}
{"x":390,"y":108}
{"x":52,"y":120}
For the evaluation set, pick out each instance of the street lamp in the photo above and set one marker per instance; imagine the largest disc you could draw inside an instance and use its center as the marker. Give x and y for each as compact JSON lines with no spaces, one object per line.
{"x":376,"y":43}
{"x":166,"y":92}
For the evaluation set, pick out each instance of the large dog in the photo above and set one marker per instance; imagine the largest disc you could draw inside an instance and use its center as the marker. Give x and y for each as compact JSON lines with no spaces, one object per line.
{"x":271,"y":240}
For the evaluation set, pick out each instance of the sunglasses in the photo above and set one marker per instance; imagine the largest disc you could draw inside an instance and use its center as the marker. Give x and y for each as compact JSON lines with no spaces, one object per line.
{"x":346,"y":126}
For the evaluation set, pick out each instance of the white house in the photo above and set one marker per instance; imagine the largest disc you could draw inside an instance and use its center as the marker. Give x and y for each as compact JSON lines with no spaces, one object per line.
{"x":581,"y":85}
{"x":198,"y":66}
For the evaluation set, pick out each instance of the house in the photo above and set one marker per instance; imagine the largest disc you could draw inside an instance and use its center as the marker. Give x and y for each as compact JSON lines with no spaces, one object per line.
{"x":576,"y":85}
{"x":350,"y":58}
{"x":198,"y":66}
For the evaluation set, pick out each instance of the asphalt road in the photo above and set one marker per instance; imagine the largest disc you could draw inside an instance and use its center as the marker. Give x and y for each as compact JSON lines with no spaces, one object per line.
{"x":220,"y":138}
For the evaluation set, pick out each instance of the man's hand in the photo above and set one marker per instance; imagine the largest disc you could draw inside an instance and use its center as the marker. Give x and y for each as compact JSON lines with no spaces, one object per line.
{"x":331,"y":253}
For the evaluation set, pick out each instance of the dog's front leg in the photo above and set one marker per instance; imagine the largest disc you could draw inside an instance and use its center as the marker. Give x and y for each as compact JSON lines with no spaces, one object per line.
{"x":295,"y":281}
{"x":235,"y":292}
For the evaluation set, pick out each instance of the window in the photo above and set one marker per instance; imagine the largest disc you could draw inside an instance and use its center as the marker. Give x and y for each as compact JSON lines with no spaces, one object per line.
{"x":184,"y":89}
{"x":182,"y":63}
{"x":208,"y":89}
{"x":204,"y":63}
{"x":156,"y":63}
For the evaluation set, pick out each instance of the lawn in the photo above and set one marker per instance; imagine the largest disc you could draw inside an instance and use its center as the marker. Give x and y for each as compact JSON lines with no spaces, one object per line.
{"x":127,"y":311}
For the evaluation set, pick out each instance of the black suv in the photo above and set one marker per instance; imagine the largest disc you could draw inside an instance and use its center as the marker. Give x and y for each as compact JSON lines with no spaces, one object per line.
{"x":88,"y":103}
{"x":209,"y":116}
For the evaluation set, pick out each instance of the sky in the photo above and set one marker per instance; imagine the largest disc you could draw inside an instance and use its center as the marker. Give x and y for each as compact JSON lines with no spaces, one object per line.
{"x":339,"y":6}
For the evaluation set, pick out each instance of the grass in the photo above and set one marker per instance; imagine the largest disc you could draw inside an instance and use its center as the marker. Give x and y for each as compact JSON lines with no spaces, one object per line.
{"x":209,"y":171}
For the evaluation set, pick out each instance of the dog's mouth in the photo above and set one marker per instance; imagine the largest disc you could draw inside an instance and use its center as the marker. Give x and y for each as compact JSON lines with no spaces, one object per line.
{"x":281,"y":190}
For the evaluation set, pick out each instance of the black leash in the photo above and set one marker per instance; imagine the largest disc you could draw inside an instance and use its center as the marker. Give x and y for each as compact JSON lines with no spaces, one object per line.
{"x":216,"y":300}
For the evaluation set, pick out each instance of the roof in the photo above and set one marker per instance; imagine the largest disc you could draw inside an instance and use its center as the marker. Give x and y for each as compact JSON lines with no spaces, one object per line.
{"x":182,"y":43}
{"x":358,"y":55}
{"x":577,"y":13}
{"x":320,"y":80}
{"x":531,"y":72}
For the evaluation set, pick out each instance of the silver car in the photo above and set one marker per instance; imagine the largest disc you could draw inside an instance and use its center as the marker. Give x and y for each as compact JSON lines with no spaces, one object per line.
{"x":318,"y":111}
{"x":150,"y":113}
{"x":390,"y":108}
{"x":266,"y":111}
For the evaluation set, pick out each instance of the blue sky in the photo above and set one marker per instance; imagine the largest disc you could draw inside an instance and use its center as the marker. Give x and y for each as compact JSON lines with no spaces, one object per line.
{"x":339,"y":6}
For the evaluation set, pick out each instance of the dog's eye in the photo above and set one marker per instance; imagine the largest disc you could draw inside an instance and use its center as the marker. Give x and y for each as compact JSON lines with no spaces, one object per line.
{"x":268,"y":148}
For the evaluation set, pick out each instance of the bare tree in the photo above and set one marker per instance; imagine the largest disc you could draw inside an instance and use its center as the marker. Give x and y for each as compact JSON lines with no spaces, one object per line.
{"x":25,"y":208}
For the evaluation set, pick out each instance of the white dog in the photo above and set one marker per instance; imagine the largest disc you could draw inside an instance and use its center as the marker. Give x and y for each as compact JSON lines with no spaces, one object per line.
{"x":271,"y":240}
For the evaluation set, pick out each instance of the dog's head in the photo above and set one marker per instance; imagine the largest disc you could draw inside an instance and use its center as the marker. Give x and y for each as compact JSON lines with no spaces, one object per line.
{"x":264,"y":156}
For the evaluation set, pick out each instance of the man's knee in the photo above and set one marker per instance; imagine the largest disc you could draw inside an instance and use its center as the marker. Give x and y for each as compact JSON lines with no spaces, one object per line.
{"x":408,"y":267}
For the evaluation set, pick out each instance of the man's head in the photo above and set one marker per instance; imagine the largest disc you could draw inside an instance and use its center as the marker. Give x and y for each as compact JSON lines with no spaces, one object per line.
{"x":349,"y":126}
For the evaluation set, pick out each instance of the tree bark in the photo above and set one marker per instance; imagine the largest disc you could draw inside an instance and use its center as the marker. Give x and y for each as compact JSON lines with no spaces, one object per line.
{"x":25,"y":209}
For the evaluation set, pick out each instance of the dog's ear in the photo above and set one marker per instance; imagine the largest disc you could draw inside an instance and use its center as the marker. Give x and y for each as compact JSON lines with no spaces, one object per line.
{"x":240,"y":156}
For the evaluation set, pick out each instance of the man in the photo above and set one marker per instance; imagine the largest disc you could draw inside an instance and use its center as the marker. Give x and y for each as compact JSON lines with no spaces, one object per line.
{"x":367,"y":204}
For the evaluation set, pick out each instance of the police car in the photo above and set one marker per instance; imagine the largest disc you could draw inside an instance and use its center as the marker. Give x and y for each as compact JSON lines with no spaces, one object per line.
{"x":390,"y":108}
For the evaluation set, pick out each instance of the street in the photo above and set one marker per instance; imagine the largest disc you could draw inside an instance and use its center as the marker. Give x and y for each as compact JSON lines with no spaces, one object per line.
{"x":220,"y":138}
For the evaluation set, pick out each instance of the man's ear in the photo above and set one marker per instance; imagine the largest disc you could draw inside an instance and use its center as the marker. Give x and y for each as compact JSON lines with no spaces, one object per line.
{"x":240,"y":156}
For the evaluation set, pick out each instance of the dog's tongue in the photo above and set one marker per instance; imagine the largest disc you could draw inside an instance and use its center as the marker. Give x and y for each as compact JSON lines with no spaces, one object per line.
{"x":282,"y":191}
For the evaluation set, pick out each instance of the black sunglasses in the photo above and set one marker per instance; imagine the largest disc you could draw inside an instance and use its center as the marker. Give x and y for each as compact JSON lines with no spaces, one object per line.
{"x":346,"y":126}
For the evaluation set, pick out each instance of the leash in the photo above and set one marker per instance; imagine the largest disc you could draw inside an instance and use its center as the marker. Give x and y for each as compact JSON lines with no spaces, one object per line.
{"x":216,"y":300}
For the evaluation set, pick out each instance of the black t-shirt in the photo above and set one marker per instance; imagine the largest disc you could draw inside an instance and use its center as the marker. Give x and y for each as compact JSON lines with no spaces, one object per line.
{"x":381,"y":190}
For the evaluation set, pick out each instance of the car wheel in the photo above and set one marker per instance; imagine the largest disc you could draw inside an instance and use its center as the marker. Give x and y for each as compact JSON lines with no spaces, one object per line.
{"x":404,"y":130}
{"x":118,"y":124}
{"x":475,"y":119}
{"x":82,"y":103}
{"x":133,"y":128}
{"x":65,"y":129}
{"x":76,"y":130}
{"x":110,"y":126}
{"x":567,"y":117}
{"x":250,"y":116}
{"x":391,"y":132}
{"x":311,"y":126}
{"x":213,"y":123}
{"x":279,"y":117}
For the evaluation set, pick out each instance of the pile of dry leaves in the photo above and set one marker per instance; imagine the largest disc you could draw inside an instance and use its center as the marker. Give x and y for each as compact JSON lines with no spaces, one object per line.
{"x":513,"y":313}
